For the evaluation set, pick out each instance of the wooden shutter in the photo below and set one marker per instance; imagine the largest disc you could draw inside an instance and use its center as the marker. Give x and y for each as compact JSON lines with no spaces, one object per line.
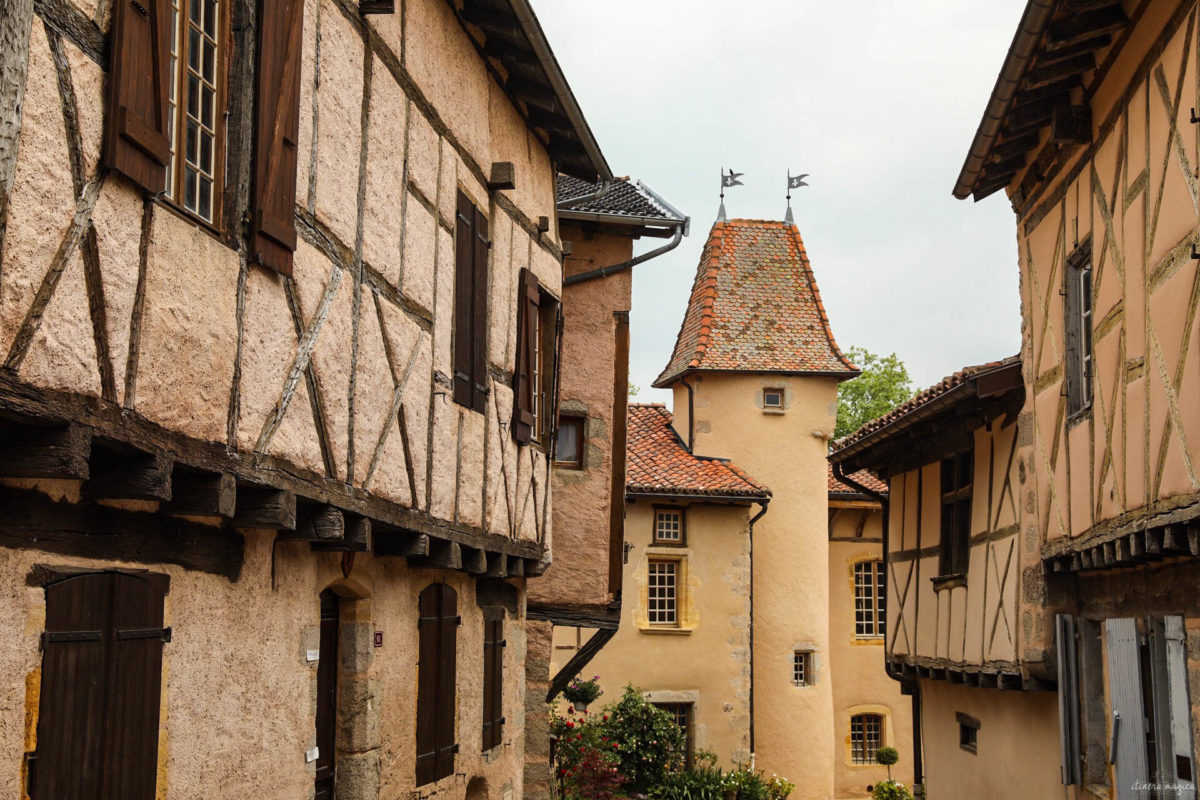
{"x":493,"y":680}
{"x":1128,"y":740}
{"x":326,"y":716}
{"x":479,"y":315}
{"x":137,"y":140}
{"x":1178,"y":762}
{"x":528,"y":298}
{"x":447,"y":673}
{"x":101,"y":687}
{"x":464,"y":281}
{"x":427,"y":683}
{"x":1068,"y":699}
{"x":280,"y":42}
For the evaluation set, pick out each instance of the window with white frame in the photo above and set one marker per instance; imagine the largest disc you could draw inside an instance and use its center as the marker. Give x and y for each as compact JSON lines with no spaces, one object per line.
{"x":802,"y":668}
{"x":866,"y":737}
{"x":668,"y":525}
{"x":1077,"y":298}
{"x":662,"y":599}
{"x":869,"y":600}
{"x":193,"y":116}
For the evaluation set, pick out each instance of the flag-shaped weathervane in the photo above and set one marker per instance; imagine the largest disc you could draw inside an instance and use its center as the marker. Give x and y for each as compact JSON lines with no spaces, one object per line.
{"x":727,"y":180}
{"x":793,"y":182}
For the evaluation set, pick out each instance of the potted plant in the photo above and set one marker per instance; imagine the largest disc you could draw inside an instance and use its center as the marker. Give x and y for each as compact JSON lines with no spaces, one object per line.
{"x":580,"y":693}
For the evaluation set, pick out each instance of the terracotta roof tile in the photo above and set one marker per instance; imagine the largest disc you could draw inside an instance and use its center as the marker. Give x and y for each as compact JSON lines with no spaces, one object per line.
{"x":921,"y":398}
{"x":863,"y":476}
{"x":755,"y":306}
{"x":659,"y":462}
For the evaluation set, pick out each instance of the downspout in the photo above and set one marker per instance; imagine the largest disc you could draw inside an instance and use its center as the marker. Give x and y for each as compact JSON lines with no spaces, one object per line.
{"x":606,"y":186}
{"x":604,"y":272}
{"x":918,"y":768}
{"x":753,"y":520}
{"x":691,"y":412}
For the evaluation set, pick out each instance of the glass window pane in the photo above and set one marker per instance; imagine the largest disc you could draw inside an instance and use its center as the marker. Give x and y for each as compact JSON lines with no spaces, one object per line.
{"x":567,"y":448}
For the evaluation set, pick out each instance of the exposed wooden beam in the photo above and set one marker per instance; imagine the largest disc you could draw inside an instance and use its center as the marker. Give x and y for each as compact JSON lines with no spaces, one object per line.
{"x":1075,"y":65}
{"x":474,"y":561}
{"x":442,"y":555}
{"x":357,"y":537}
{"x":1073,"y":27}
{"x":504,"y":176}
{"x":534,"y":94}
{"x":376,"y":7}
{"x":497,"y":565}
{"x":516,"y":567}
{"x":1072,"y":124}
{"x":125,"y":474}
{"x":317,"y":523}
{"x":405,"y":544}
{"x":1033,"y":114}
{"x":201,"y":494}
{"x":263,"y":507}
{"x":1088,"y":45}
{"x":1015,"y":145}
{"x":39,"y":450}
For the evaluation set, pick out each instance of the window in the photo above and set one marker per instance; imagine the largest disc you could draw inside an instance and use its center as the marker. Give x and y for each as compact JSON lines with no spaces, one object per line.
{"x":109,"y":627}
{"x":955,"y":546}
{"x":866,"y":732}
{"x":772,"y":398}
{"x":682,"y":714}
{"x":669,"y":526}
{"x":535,"y":382}
{"x":437,"y":659}
{"x":1077,"y":298}
{"x":194,"y":111}
{"x":802,"y":668}
{"x":470,"y":305}
{"x":493,"y":677}
{"x":568,"y":446}
{"x":968,"y":732}
{"x":869,"y":600}
{"x":662,"y":607}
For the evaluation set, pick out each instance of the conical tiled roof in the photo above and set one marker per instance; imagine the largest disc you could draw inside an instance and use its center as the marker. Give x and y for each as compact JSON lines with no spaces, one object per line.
{"x":755,"y":307}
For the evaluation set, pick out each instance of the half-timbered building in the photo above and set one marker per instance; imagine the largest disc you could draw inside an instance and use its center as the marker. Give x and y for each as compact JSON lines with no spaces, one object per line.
{"x":1092,"y":132}
{"x":280,"y":308}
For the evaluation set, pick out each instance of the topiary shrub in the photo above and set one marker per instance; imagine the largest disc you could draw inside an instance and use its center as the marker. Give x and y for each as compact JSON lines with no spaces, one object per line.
{"x":887,"y":756}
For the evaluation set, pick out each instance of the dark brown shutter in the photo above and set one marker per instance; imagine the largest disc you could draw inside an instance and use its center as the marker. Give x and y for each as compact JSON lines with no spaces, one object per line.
{"x":280,"y":42}
{"x":493,"y":682}
{"x":101,"y":687}
{"x":137,"y":142}
{"x":479,"y":314}
{"x":464,"y":279}
{"x":527,"y":330}
{"x":427,"y":683}
{"x":326,"y":716}
{"x":447,"y":671}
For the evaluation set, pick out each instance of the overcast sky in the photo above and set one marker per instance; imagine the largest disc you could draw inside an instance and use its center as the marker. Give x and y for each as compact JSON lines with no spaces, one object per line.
{"x":877,"y":99}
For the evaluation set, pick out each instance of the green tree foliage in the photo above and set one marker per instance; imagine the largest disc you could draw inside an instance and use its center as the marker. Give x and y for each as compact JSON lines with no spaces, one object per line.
{"x":883,"y":385}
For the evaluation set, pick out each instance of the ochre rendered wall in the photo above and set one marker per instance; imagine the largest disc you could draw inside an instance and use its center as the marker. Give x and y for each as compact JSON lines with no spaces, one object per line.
{"x":860,"y":682}
{"x":1018,"y":753}
{"x":705,"y":661}
{"x":794,"y":731}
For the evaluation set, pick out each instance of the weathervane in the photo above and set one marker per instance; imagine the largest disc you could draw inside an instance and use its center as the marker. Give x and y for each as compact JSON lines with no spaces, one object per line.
{"x":727,"y":181}
{"x":794,"y":182}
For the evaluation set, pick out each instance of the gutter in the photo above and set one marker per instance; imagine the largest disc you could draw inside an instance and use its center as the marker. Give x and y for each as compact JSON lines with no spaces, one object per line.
{"x":606,"y":186}
{"x":839,"y":472}
{"x":545,"y":56}
{"x":753,"y":520}
{"x":1020,"y":53}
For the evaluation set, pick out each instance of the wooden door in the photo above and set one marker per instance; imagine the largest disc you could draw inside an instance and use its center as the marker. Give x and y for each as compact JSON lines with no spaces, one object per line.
{"x":327,"y":695}
{"x":98,"y":716}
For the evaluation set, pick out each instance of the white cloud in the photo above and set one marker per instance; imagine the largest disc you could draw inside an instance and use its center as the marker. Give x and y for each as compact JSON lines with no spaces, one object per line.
{"x":878,"y":100}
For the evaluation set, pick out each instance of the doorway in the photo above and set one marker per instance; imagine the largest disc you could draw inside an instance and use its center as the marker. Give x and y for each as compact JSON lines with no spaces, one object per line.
{"x":327,"y":674}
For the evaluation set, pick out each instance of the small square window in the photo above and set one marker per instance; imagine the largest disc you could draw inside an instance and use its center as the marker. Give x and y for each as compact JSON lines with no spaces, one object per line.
{"x":568,"y":448}
{"x":772,"y":398}
{"x":802,"y":674}
{"x":968,"y":732}
{"x":669,"y":526}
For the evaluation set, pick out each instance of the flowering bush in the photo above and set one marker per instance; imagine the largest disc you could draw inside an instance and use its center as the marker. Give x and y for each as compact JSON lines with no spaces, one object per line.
{"x":778,"y":788}
{"x":595,"y":775}
{"x":891,"y":790}
{"x":581,"y":691}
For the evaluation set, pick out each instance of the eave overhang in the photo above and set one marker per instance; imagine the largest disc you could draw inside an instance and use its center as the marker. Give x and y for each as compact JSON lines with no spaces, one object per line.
{"x":1058,"y":56}
{"x":510,"y":39}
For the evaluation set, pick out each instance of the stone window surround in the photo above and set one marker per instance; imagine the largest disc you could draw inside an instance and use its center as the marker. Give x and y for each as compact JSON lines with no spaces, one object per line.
{"x":814,"y":663}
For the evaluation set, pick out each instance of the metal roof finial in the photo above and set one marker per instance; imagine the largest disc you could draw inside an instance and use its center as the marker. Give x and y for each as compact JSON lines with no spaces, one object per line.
{"x":793,"y":182}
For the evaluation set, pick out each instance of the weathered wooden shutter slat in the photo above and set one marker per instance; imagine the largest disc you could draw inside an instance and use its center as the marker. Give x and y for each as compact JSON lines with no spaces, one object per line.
{"x":427,"y":684}
{"x":1068,"y":698}
{"x":1181,"y":764}
{"x":135,"y":683}
{"x":71,"y":715}
{"x":489,"y":684}
{"x":464,"y":279}
{"x":527,"y":329}
{"x":1125,"y":693}
{"x":326,"y":716}
{"x":280,"y":42}
{"x":447,"y":673}
{"x":497,"y":709}
{"x":479,"y":314}
{"x":137,"y":139}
